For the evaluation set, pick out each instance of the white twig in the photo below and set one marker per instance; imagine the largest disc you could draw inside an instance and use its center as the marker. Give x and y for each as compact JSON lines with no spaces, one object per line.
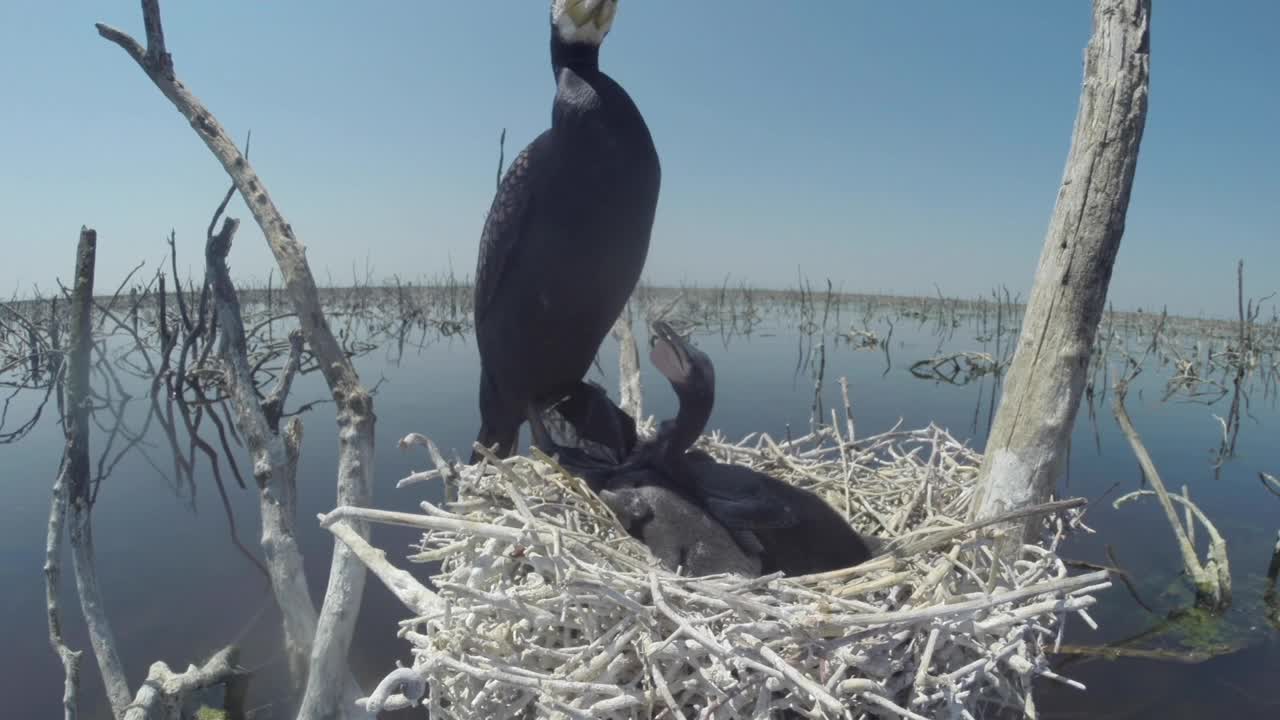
{"x":543,"y":601}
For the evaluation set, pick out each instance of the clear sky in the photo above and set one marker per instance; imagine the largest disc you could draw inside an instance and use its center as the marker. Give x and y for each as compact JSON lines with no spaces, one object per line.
{"x":886,"y":145}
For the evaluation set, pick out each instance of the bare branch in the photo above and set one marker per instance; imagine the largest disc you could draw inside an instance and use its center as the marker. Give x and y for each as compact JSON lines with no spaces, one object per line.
{"x":76,"y":466}
{"x":52,"y":571}
{"x":272,"y":468}
{"x":126,"y":43}
{"x":1213,"y":579}
{"x":324,"y":696}
{"x":273,"y":406}
{"x":112,"y":302}
{"x":628,"y":364}
{"x":157,"y":56}
{"x":275,"y":463}
{"x":413,"y":594}
{"x":162,"y":694}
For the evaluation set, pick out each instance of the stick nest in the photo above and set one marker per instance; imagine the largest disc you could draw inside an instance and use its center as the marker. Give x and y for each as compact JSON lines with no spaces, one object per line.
{"x":545,"y":607}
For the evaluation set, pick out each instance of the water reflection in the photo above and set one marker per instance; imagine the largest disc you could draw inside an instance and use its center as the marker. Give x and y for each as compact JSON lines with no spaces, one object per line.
{"x":180,"y":584}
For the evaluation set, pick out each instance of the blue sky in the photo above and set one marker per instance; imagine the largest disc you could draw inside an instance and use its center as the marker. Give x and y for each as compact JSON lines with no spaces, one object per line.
{"x":888,"y":146}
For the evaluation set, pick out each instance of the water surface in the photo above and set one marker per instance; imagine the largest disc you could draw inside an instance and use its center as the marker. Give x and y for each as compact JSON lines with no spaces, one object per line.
{"x":178,"y":589}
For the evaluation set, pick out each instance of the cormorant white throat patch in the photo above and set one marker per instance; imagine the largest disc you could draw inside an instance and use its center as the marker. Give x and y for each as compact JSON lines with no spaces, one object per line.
{"x":583,"y":21}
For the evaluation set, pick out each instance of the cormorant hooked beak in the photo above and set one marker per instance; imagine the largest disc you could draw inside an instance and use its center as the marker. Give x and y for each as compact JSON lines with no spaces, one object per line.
{"x":583,"y":21}
{"x":683,"y":365}
{"x":693,"y":377}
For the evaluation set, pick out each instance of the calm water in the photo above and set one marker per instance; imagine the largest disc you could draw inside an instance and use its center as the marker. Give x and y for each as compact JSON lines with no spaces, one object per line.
{"x":177,"y":589}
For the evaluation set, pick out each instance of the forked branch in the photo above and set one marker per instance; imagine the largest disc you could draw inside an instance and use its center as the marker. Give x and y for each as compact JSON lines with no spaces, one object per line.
{"x":327,"y":695}
{"x":1213,"y":578}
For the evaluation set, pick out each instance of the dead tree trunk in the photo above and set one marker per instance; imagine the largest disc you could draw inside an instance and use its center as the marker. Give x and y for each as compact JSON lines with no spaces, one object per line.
{"x":275,"y":458}
{"x":1027,"y":448}
{"x":79,"y":474}
{"x":327,"y":695}
{"x":73,"y":485}
{"x":630,"y":395}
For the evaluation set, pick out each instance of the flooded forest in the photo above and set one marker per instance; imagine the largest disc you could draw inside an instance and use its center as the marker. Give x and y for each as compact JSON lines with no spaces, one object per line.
{"x":232,"y":500}
{"x":172,"y":485}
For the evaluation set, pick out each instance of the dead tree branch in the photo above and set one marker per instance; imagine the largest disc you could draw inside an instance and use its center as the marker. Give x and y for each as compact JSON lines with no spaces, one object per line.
{"x":73,"y":472}
{"x":1213,"y":578}
{"x":275,"y":461}
{"x":327,"y":695}
{"x":628,"y":364}
{"x":78,"y":471}
{"x":162,"y":694}
{"x":52,"y":572}
{"x":273,"y":405}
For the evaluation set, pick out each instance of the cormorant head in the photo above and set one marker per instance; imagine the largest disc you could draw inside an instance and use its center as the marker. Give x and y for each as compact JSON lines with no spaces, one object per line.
{"x":583,"y":22}
{"x":692,"y":376}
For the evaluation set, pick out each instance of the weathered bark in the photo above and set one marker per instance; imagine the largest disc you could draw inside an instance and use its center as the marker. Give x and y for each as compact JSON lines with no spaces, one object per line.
{"x":162,"y":695}
{"x":628,"y":364}
{"x":274,"y":462}
{"x":327,"y":694}
{"x":80,"y":529}
{"x":75,"y":459}
{"x":415,"y":596}
{"x":1028,"y":445}
{"x":52,"y":572}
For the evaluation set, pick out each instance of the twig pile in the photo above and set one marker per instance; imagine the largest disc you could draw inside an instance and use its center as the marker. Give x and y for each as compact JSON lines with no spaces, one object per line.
{"x":545,"y":607}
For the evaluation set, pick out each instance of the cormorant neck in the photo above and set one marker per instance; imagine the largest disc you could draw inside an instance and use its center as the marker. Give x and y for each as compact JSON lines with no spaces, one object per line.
{"x":691,"y":420}
{"x":580,"y":57}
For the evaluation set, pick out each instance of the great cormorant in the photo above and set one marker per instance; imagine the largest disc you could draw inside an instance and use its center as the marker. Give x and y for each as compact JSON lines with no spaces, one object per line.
{"x":799,"y":532}
{"x":778,"y":525}
{"x":648,"y":502}
{"x":567,"y":235}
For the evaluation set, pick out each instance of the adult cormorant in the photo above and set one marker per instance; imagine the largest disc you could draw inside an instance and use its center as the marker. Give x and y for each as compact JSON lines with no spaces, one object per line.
{"x":567,"y":235}
{"x":781,"y":526}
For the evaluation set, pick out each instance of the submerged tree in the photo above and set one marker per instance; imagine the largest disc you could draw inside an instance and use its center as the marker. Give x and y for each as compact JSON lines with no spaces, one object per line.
{"x":1029,"y":441}
{"x":325,"y":639}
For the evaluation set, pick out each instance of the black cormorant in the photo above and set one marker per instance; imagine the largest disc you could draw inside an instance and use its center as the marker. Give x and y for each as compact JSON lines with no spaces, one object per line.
{"x":782,"y":526}
{"x":567,"y":235}
{"x":799,"y":532}
{"x":648,"y":502}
